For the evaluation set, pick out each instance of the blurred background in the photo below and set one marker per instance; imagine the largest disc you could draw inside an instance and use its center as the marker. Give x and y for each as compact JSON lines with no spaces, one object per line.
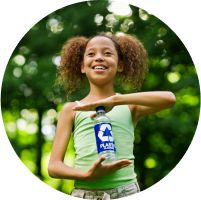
{"x":31,"y":98}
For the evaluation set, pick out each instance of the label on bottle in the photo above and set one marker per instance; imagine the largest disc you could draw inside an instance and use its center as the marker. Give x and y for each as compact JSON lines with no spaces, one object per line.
{"x":104,"y":137}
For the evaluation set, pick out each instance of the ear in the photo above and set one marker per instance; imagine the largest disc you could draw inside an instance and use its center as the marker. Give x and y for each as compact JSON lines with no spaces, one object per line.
{"x":83,"y":69}
{"x":120,"y":67}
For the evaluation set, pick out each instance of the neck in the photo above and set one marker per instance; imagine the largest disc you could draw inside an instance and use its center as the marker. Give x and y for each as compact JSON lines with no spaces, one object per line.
{"x":100,"y":92}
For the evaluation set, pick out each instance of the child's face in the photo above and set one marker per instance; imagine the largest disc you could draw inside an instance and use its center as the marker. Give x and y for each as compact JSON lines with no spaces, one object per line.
{"x":100,"y":60}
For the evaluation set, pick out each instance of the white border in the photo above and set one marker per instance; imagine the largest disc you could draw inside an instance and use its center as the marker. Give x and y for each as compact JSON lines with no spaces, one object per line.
{"x":17,"y":17}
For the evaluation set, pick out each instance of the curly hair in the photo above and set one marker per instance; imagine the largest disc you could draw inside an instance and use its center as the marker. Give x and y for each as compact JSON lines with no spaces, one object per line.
{"x":131,"y":53}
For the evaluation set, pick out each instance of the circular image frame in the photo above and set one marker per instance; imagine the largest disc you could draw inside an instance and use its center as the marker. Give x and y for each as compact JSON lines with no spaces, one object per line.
{"x":150,"y":160}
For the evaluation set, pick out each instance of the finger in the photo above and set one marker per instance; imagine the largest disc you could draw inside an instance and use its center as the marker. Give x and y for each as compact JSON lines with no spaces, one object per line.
{"x":121,"y":164}
{"x":124,"y":161}
{"x":93,"y":115}
{"x":76,"y":108}
{"x":118,"y":164}
{"x":85,"y":107}
{"x":100,"y":160}
{"x":80,"y":109}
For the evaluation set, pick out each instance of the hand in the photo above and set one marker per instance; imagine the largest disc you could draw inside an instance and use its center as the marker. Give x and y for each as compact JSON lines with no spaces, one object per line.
{"x":99,"y":169}
{"x":108,"y":103}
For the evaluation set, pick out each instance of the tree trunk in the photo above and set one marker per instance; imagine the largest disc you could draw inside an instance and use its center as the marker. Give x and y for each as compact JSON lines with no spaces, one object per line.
{"x":39,"y":145}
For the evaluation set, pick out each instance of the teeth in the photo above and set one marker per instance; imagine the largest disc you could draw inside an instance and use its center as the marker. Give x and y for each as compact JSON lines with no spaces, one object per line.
{"x":100,"y":67}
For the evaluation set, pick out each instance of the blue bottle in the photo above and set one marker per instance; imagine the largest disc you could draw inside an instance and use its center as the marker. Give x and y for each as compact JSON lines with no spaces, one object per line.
{"x":104,"y":138}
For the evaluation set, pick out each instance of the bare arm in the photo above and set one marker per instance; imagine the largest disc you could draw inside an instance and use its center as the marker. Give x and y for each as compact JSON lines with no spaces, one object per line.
{"x":141,"y":103}
{"x":58,"y":169}
{"x":144,"y":103}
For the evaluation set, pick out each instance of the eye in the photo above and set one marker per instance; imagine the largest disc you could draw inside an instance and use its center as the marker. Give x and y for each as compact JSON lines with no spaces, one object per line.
{"x":91,"y":54}
{"x":108,"y":53}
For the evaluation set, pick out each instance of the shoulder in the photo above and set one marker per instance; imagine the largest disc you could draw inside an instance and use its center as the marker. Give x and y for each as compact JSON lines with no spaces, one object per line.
{"x":68,"y":106}
{"x":67,"y":110}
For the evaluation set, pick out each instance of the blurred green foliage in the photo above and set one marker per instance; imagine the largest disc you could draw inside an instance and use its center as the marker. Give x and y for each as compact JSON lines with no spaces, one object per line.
{"x":31,"y":100}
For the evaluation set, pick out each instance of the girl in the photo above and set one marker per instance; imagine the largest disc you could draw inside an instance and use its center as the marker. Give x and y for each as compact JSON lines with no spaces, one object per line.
{"x":101,"y":59}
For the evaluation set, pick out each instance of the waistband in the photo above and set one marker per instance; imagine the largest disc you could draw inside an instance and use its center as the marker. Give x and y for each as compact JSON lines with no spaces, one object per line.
{"x":114,"y":193}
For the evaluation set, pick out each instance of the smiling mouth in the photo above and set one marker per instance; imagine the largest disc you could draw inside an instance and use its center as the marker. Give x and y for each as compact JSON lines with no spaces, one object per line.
{"x":99,"y":67}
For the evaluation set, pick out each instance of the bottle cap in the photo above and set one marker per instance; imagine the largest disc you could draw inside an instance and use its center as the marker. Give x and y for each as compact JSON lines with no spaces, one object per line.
{"x":100,"y":108}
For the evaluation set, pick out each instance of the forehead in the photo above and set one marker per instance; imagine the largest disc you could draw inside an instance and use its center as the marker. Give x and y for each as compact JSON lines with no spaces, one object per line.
{"x":100,"y":41}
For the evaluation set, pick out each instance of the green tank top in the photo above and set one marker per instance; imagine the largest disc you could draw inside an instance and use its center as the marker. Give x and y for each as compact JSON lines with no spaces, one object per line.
{"x":86,"y":150}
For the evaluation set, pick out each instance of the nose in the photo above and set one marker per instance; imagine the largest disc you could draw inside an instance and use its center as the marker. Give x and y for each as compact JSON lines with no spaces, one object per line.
{"x":99,"y":58}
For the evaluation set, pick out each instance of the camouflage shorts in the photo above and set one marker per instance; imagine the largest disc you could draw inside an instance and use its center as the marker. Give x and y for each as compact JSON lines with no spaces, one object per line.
{"x":115,"y":193}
